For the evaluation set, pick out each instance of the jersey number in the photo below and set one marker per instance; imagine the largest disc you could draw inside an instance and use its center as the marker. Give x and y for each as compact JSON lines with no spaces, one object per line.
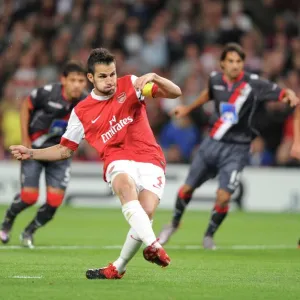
{"x":235,"y":178}
{"x":159,"y":183}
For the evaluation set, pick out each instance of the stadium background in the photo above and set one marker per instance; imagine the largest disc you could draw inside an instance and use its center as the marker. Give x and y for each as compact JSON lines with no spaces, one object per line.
{"x":181,"y":40}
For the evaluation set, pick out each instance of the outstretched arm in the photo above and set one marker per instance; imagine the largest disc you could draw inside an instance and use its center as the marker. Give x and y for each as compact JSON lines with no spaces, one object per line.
{"x":182,"y":110}
{"x":270,"y":91}
{"x":57,"y":152}
{"x":203,"y":98}
{"x":295,"y":151}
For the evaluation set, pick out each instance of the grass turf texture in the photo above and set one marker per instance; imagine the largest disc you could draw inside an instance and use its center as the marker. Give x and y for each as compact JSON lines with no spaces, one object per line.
{"x":193,"y":274}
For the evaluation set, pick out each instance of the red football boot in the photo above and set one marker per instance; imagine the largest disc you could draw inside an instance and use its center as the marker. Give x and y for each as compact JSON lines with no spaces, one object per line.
{"x":157,"y":255}
{"x":109,"y":272}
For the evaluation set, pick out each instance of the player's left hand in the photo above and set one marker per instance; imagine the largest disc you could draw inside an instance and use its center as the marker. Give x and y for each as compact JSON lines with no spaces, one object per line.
{"x":291,"y":98}
{"x":143,"y":80}
{"x":295,"y":150}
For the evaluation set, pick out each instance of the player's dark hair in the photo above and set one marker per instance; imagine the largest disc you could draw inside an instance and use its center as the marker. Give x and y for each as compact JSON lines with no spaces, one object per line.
{"x":73,"y":66}
{"x":233,"y":47}
{"x":99,"y":56}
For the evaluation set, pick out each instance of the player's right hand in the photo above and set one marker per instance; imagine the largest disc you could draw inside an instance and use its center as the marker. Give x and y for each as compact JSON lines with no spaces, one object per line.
{"x":180,"y":111}
{"x":20,"y":152}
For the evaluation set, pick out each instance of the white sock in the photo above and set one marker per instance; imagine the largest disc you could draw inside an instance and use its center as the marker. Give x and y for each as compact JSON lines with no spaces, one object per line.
{"x":139,"y":222}
{"x":130,"y":248}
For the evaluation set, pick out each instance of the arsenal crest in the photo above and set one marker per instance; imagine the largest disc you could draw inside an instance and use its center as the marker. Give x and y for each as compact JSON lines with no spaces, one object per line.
{"x":121,"y":98}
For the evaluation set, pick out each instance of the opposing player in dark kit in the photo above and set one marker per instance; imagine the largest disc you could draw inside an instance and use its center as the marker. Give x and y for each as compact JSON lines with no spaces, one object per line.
{"x":44,"y":117}
{"x":237,"y":96}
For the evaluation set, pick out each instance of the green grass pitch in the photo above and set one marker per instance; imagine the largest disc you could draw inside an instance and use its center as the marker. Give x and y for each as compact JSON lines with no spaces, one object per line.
{"x":258,"y":259}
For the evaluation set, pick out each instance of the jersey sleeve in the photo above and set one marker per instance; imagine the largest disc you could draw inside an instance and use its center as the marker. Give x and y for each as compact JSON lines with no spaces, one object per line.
{"x":39,"y":96}
{"x":266,"y":90}
{"x":138,"y":93}
{"x":35,"y":99}
{"x":74,"y":132}
{"x":210,"y":84}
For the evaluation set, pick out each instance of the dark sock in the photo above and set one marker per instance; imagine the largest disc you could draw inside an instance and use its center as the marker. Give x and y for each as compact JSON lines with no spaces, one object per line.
{"x":43,"y":216}
{"x":218,"y":215}
{"x":182,"y":201}
{"x":15,"y":208}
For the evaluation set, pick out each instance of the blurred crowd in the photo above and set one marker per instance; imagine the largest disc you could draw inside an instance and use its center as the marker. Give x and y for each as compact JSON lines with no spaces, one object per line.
{"x":180,"y":40}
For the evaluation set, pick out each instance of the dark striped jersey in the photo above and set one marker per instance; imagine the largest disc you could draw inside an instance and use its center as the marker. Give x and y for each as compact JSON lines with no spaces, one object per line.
{"x":49,"y":114}
{"x":237,"y":103}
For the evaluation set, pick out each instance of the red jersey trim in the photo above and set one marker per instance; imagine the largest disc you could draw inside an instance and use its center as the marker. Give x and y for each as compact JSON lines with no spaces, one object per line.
{"x":37,"y":134}
{"x":231,"y":100}
{"x":30,"y":105}
{"x":69,"y":144}
{"x":281,"y":95}
{"x":67,"y":117}
{"x":241,"y":75}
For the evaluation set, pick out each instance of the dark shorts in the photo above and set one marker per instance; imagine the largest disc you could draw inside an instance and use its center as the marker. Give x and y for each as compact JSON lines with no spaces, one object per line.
{"x":57,"y":173}
{"x":218,"y":158}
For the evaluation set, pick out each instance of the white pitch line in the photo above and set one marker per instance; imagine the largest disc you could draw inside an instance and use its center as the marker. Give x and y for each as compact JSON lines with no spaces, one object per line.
{"x":27,"y":277}
{"x":174,"y":247}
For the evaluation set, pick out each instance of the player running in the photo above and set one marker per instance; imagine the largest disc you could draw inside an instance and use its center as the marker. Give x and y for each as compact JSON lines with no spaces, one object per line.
{"x":44,"y":117}
{"x":113,"y":120}
{"x":237,"y":96}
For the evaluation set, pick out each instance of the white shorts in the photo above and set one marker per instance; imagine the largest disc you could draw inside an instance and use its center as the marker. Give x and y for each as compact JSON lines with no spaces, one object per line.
{"x":145,"y":175}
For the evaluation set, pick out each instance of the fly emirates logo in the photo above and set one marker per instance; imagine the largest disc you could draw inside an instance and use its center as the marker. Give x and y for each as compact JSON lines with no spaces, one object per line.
{"x":114,"y":128}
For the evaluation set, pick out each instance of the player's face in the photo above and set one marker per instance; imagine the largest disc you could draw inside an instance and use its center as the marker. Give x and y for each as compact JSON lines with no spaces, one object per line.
{"x":73,"y":84}
{"x":104,"y":79}
{"x":232,"y":65}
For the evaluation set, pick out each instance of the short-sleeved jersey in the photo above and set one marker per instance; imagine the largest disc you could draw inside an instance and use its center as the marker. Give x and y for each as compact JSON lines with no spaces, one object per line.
{"x":236,"y":104}
{"x":49,"y":114}
{"x":116,"y":126}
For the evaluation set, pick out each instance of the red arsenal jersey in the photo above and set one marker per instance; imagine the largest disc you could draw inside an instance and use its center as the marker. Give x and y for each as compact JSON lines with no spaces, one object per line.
{"x":116,"y":126}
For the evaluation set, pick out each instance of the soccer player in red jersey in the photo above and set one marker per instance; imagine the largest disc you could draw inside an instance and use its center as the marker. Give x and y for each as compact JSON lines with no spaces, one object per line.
{"x":113,"y":120}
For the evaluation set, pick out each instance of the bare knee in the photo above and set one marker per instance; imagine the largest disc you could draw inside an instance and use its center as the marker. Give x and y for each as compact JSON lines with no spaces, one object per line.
{"x":149,"y":201}
{"x":149,"y":211}
{"x":223,"y":197}
{"x":124,"y":187}
{"x":149,"y":208}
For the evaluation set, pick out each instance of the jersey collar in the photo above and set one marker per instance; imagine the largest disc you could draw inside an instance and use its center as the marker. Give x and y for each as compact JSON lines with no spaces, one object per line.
{"x":236,"y":80}
{"x":100,"y":98}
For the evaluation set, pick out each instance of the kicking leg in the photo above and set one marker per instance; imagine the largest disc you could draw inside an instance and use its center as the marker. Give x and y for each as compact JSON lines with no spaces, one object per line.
{"x":141,"y":229}
{"x":133,"y":242}
{"x":138,"y":209}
